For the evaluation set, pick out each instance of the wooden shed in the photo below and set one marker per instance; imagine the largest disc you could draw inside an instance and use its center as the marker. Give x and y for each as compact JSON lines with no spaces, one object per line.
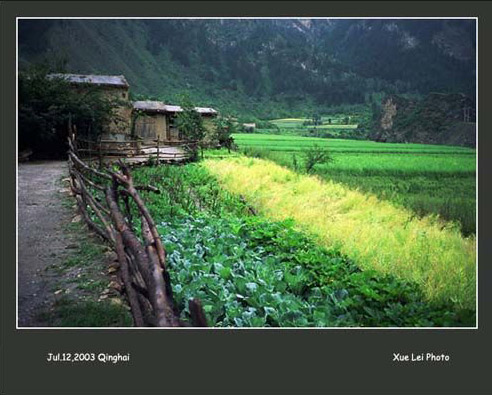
{"x":150,"y":120}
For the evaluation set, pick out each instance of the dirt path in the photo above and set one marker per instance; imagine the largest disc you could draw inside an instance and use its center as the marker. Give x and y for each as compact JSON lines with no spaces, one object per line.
{"x":42,"y":240}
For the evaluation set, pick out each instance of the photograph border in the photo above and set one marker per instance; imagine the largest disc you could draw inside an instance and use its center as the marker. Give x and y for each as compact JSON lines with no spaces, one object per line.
{"x":259,"y":18}
{"x":240,"y":362}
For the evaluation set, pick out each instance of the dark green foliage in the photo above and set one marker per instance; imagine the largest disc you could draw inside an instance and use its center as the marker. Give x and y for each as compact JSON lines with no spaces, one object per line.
{"x":269,"y":68}
{"x":295,"y":164}
{"x":434,"y":119}
{"x":266,"y":125}
{"x":252,"y":272}
{"x":248,"y":271}
{"x":224,"y":127}
{"x":259,"y":152}
{"x":314,"y":120}
{"x":46,"y":106}
{"x":190,"y":125}
{"x":189,"y":121}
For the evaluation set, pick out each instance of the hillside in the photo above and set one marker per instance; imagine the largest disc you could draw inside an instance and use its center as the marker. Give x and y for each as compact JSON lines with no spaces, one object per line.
{"x":264,"y":68}
{"x":436,"y":119}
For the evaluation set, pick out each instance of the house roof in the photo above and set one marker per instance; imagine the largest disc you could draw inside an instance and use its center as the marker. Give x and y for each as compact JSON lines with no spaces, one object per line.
{"x":158,"y":106}
{"x":107,"y":80}
{"x":150,"y":106}
{"x":205,"y":110}
{"x":171,"y":108}
{"x":201,"y":110}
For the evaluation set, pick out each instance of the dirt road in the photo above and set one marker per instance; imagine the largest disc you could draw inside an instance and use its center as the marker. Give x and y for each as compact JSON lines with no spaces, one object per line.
{"x":42,"y":240}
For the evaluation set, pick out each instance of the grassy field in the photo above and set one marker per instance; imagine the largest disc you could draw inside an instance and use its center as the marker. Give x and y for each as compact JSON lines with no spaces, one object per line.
{"x":297,"y":143}
{"x":298,"y":123}
{"x":376,"y":234}
{"x":335,"y":126}
{"x":427,"y":179}
{"x":251,"y":270}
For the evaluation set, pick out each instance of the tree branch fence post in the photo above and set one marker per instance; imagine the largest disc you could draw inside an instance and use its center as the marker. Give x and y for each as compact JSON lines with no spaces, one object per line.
{"x":142,"y":259}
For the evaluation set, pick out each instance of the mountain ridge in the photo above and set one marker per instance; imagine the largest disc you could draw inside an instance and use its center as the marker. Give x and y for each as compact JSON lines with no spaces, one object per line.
{"x":266,"y":68}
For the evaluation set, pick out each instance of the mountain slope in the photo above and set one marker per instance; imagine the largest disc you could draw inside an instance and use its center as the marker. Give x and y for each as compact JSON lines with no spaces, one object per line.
{"x":263,"y":67}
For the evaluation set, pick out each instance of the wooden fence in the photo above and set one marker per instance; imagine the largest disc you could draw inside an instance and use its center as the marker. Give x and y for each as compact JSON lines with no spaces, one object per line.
{"x":135,"y":151}
{"x":111,"y":206}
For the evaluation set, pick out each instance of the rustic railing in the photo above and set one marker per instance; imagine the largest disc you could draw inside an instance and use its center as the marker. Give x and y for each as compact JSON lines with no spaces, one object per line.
{"x":111,"y":205}
{"x":139,"y":151}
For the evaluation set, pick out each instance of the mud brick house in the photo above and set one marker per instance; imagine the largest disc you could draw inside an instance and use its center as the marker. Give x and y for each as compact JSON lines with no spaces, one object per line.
{"x":113,"y":87}
{"x":154,"y":119}
{"x":145,"y":120}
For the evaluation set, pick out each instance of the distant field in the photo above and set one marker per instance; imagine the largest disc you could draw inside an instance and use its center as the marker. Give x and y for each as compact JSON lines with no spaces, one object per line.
{"x":297,"y":143}
{"x":290,"y":123}
{"x":429,"y":179}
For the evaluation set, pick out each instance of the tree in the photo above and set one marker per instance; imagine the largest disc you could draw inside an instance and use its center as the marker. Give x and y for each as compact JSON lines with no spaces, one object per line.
{"x":315,"y":155}
{"x":190,"y":124}
{"x":47,"y":105}
{"x":316,"y":119}
{"x":224,"y":128}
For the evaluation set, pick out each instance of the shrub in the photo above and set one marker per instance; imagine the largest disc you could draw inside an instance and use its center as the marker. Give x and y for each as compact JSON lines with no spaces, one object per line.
{"x":315,"y":155}
{"x":46,"y":106}
{"x":224,"y":128}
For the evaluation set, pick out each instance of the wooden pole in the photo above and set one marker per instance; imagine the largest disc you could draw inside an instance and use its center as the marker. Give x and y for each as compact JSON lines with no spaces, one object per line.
{"x":142,"y":262}
{"x":100,"y":153}
{"x":125,"y":275}
{"x":157,"y":150}
{"x":70,"y":125}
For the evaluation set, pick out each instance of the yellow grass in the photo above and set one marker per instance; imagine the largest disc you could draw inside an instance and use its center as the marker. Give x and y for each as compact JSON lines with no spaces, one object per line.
{"x":374,"y":233}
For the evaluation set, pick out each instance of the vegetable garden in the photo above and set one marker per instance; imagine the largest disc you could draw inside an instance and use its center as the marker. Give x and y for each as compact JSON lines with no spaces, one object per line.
{"x":254,"y":270}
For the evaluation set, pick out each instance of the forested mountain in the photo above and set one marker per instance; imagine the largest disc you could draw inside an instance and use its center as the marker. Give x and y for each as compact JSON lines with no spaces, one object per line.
{"x":262,"y":67}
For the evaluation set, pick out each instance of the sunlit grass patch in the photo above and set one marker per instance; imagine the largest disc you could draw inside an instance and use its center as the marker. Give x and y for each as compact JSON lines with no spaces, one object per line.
{"x":427,"y":179}
{"x":375,"y":233}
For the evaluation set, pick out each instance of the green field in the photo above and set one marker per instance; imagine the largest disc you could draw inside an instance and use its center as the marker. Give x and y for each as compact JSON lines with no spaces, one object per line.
{"x":298,"y":123}
{"x":251,"y":270}
{"x":333,"y":127}
{"x":297,"y":143}
{"x":428,"y":179}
